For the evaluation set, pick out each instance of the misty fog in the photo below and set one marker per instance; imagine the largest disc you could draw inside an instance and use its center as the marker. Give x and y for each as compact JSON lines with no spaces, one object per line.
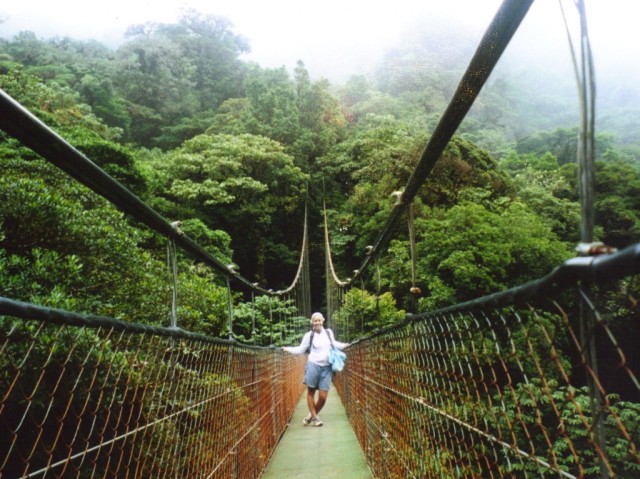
{"x":338,"y":40}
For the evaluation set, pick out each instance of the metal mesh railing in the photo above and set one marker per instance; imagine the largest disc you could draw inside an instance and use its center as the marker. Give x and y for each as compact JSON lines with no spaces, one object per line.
{"x":516,"y":385}
{"x":113,"y":399}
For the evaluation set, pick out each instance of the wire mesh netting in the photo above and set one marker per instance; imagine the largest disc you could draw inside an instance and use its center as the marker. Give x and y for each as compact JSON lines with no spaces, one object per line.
{"x":81,"y":401}
{"x":505,"y":392}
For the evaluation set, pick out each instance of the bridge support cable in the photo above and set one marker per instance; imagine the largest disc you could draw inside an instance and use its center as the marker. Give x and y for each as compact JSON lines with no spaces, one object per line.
{"x":334,"y":285}
{"x":301,"y":284}
{"x":22,"y":125}
{"x":585,"y":80}
{"x":253,"y":317}
{"x":172,"y":264}
{"x":492,"y":46}
{"x":229,"y":310}
{"x":414,"y":290}
{"x":586,"y":84}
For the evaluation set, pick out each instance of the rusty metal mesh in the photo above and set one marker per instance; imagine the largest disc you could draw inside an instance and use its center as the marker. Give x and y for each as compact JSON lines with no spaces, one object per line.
{"x":510,"y":392}
{"x":102,"y":402}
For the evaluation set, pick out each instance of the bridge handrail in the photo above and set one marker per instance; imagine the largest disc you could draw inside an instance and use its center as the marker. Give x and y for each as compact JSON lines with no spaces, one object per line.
{"x":583,"y":269}
{"x":30,"y":311}
{"x":541,"y":378}
{"x":587,"y":270}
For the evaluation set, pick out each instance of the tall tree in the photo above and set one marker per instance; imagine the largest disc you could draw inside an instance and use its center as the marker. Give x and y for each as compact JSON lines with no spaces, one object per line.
{"x":214,"y":50}
{"x":155,"y":77}
{"x":273,"y":105}
{"x":321,"y":118}
{"x":247,"y":186}
{"x":176,"y":75}
{"x":471,"y":250}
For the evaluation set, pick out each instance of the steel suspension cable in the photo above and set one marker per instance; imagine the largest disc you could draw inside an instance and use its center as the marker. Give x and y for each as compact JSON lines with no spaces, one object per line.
{"x":330,"y":272}
{"x":172,"y":264}
{"x":327,"y":246}
{"x":492,"y":46}
{"x":304,"y":257}
{"x":21,"y":124}
{"x":585,"y":79}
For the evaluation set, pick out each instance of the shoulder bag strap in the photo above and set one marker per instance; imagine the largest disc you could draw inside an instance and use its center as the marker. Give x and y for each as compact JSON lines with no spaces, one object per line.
{"x":311,"y":341}
{"x":330,"y":334}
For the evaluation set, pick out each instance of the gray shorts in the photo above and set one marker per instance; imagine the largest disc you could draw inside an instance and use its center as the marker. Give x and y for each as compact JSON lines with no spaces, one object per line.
{"x":318,"y":377}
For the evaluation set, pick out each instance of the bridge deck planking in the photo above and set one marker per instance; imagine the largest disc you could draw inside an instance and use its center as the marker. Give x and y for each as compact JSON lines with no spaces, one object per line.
{"x":327,"y":452}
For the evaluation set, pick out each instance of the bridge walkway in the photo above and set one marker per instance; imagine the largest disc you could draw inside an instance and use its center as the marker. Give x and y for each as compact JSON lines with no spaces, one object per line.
{"x":327,"y":452}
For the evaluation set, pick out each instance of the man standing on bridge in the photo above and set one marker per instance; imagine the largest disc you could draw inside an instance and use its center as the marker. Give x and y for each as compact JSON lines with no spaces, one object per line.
{"x":317,"y":373}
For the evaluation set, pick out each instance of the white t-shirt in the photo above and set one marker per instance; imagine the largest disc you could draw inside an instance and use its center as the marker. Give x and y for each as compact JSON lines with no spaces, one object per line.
{"x":320,"y":348}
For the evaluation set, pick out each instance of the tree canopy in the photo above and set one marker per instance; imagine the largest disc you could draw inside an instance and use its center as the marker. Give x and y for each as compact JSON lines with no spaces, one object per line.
{"x":234,"y":151}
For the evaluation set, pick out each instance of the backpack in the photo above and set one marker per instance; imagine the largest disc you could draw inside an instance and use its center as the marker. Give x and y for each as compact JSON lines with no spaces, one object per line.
{"x":310,"y":342}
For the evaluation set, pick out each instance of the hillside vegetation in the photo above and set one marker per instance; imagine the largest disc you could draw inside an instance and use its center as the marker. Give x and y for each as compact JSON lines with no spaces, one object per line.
{"x":234,"y":150}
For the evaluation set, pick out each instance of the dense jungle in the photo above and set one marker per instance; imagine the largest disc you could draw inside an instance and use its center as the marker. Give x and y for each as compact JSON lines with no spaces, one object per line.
{"x":234,"y":151}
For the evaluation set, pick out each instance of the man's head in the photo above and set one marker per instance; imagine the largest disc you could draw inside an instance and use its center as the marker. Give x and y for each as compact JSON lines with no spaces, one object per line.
{"x":317,"y":320}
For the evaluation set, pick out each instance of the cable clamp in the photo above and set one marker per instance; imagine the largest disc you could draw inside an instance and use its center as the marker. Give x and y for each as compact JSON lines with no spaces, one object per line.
{"x":594,"y":249}
{"x":398,"y":197}
{"x":176,"y":225}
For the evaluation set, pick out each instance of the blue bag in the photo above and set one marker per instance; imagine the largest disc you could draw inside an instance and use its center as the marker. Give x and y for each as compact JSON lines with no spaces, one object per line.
{"x":336,"y":359}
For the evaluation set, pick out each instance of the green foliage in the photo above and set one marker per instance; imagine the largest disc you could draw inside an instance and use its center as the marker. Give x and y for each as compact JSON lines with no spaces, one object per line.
{"x":321,"y":118}
{"x":562,"y":143}
{"x":462,"y":166}
{"x":272,"y":99}
{"x":202,"y":303}
{"x":617,"y":183}
{"x":470,"y":250}
{"x":565,"y":414}
{"x":216,"y":242}
{"x":246,"y":185}
{"x":298,"y":113}
{"x":154,"y":85}
{"x":268,"y":320}
{"x":362,"y":312}
{"x":480,"y":250}
{"x":363,"y":171}
{"x":172,"y":77}
{"x":540,"y":184}
{"x":380,"y":159}
{"x":617,"y":205}
{"x":222,"y":169}
{"x":514,"y":162}
{"x":56,"y":106}
{"x":100,"y":93}
{"x":155,"y":78}
{"x":63,"y":246}
{"x":212,"y":46}
{"x":116,"y":160}
{"x":232,"y":117}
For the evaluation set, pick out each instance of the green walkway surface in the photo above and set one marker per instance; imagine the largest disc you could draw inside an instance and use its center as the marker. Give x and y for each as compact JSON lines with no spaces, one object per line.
{"x":327,"y":452}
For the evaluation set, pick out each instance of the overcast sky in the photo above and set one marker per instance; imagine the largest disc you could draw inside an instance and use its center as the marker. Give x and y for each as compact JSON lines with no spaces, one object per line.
{"x":330,"y":35}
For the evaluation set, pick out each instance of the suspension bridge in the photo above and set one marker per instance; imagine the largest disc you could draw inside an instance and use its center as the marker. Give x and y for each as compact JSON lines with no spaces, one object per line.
{"x":441,"y":394}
